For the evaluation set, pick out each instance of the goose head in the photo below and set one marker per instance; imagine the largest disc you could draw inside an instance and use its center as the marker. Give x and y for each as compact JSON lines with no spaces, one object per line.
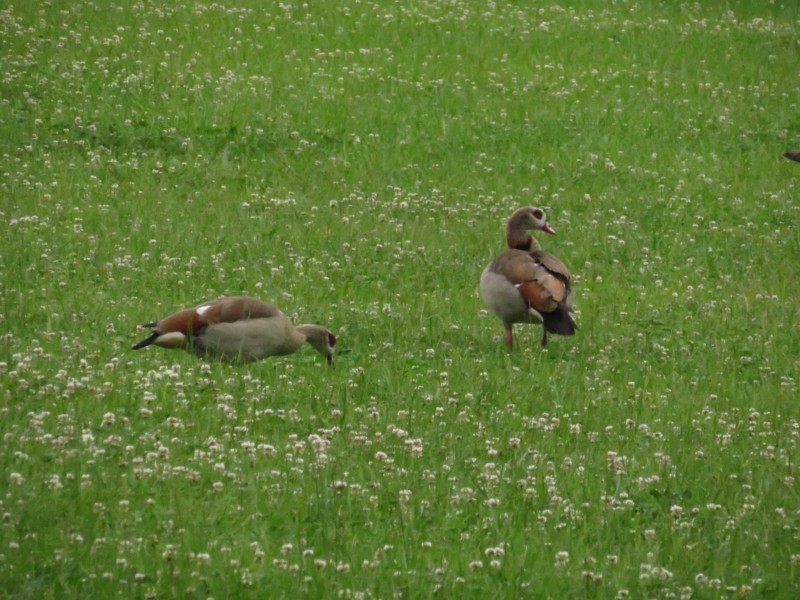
{"x":525,"y":219}
{"x":321,"y":339}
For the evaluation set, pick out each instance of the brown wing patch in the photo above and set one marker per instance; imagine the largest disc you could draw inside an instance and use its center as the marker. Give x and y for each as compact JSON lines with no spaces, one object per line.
{"x":541,"y":278}
{"x":223,"y":310}
{"x":234,"y":308}
{"x":537,"y":297}
{"x":185,"y":322}
{"x":552,"y":264}
{"x":554,"y":286}
{"x":515,"y":265}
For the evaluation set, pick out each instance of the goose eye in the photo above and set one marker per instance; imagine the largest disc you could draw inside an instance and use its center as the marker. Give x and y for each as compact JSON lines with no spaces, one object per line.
{"x":538,"y":213}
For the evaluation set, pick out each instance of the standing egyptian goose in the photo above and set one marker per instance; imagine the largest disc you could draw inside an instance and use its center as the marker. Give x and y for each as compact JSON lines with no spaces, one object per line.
{"x":238,"y":329}
{"x":524,"y":284}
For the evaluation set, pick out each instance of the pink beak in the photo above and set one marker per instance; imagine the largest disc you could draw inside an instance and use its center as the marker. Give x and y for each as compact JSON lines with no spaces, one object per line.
{"x":548,"y":229}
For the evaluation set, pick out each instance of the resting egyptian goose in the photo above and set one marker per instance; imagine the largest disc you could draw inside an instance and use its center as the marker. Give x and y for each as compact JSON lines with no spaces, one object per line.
{"x":527,"y":285}
{"x":238,"y":329}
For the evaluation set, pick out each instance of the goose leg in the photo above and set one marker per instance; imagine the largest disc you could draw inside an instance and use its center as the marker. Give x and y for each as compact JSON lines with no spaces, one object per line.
{"x":544,"y":339}
{"x":509,"y":338}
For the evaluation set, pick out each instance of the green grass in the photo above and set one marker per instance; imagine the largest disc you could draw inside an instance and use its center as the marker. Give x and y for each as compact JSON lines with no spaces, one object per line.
{"x":354,"y":163}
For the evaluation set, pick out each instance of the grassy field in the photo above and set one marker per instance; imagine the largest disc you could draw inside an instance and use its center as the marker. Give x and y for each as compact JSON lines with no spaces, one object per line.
{"x":354,"y":162}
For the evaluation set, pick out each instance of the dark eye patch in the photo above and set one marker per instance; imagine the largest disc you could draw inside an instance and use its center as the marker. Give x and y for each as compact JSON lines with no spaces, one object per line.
{"x":538,"y":214}
{"x":331,"y":340}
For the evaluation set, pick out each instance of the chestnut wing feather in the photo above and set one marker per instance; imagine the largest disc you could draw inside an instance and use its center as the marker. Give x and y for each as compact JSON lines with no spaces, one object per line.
{"x":186,"y":321}
{"x":537,"y":297}
{"x":540,"y":289}
{"x":230,"y":309}
{"x":552,"y":264}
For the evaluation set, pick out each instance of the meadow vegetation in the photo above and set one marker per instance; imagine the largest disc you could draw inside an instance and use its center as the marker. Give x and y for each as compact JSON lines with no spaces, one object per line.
{"x":354,"y":162}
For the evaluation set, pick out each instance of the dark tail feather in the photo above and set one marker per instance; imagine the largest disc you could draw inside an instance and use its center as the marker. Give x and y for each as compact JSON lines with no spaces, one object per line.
{"x":792,"y":155}
{"x":559,"y":322}
{"x":147,"y":341}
